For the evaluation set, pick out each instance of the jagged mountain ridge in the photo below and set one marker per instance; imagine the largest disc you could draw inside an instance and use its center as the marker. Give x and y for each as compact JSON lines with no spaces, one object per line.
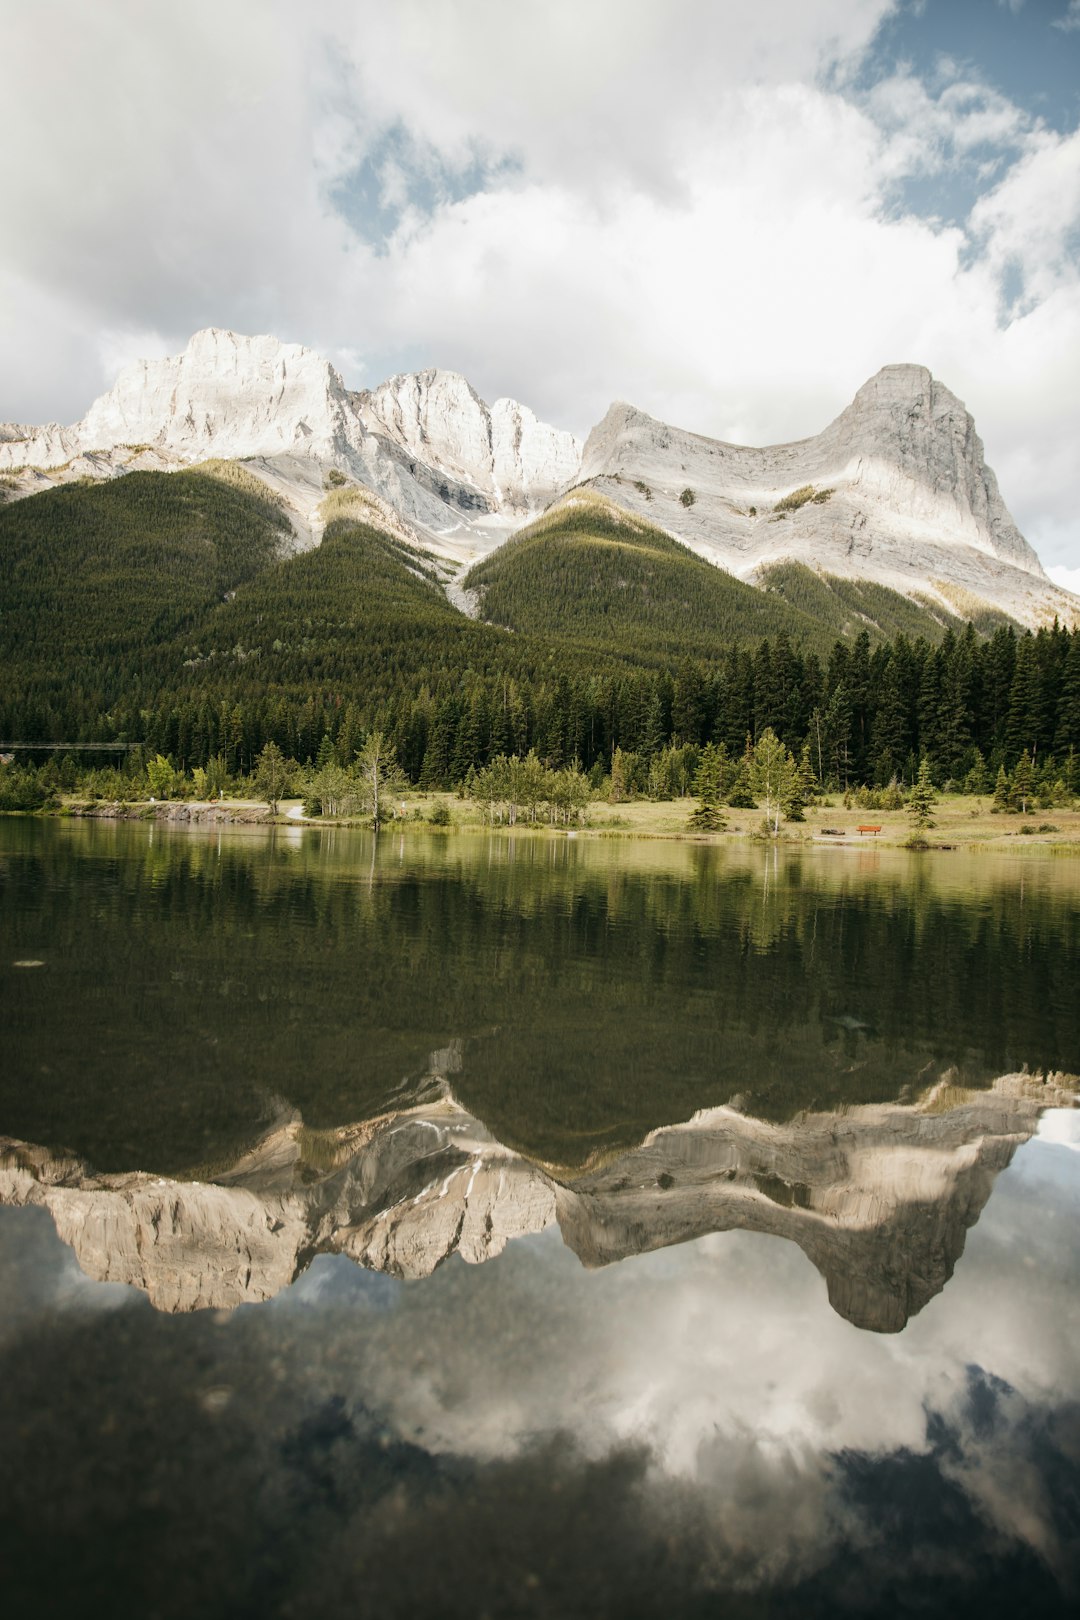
{"x":879,"y":1197}
{"x":427,"y":445}
{"x":903,"y":494}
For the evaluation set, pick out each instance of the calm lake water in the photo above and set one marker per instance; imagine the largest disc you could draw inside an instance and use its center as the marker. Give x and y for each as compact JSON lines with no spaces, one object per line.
{"x":521,"y":1226}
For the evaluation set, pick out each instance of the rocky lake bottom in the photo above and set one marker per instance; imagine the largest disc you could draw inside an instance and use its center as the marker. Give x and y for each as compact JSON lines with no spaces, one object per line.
{"x":521,"y":1226}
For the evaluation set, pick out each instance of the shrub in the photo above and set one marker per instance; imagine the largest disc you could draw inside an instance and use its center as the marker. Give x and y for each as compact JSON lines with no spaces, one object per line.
{"x":688,"y":497}
{"x":800,"y":497}
{"x":440,"y":814}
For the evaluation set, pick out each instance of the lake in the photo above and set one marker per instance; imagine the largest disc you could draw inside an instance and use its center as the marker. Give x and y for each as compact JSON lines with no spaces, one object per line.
{"x":448,"y":1224}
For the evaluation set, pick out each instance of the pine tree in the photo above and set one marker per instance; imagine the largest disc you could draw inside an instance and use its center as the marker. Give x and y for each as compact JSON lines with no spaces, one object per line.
{"x":1001,"y":792}
{"x":977,"y":780}
{"x":1023,"y":783}
{"x":271,"y":775}
{"x":922,"y":798}
{"x":1023,"y":725}
{"x":792,"y":800}
{"x":741,"y":792}
{"x":807,"y":780}
{"x":1067,"y":736}
{"x":618,"y":790}
{"x":709,"y":787}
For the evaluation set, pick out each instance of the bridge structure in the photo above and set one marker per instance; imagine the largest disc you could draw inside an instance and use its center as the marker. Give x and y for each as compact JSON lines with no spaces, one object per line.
{"x":67,"y":747}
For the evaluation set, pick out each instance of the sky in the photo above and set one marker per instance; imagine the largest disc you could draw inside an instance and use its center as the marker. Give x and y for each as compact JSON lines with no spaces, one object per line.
{"x":730,"y":214}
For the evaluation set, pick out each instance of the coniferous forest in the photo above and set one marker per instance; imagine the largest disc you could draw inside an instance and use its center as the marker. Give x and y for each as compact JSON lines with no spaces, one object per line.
{"x":159,"y":609}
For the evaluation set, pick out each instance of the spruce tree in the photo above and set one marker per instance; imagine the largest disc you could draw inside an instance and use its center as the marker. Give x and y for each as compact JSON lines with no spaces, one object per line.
{"x":1001,"y":792}
{"x":708,"y":785}
{"x":1023,"y":783}
{"x":741,"y":793}
{"x":922,"y":798}
{"x":807,"y":780}
{"x":618,"y":790}
{"x":271,"y":775}
{"x":977,"y":780}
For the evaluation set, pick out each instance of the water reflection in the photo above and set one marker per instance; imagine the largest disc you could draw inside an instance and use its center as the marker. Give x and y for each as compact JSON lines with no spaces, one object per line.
{"x":600,"y":990}
{"x":879,"y":1197}
{"x":691,"y":1432}
{"x":311,"y":1077}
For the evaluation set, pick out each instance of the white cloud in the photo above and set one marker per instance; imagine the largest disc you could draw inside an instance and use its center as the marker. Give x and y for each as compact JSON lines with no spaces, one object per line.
{"x":1069,"y":19}
{"x":1031,"y":218}
{"x":1068,"y":578}
{"x":691,"y":207}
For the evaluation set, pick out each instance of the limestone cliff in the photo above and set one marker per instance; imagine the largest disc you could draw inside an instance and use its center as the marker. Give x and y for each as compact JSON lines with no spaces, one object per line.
{"x":895,"y":490}
{"x":425,"y":444}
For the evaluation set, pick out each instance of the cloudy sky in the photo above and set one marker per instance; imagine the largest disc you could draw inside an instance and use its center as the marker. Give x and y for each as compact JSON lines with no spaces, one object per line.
{"x":730,"y":212}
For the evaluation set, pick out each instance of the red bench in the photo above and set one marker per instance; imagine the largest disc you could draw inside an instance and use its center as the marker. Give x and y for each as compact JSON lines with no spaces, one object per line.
{"x":869,"y":829}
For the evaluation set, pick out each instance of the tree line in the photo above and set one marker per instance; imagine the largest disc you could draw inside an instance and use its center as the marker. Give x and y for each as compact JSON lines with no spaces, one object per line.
{"x":983,"y":714}
{"x":867,"y":715}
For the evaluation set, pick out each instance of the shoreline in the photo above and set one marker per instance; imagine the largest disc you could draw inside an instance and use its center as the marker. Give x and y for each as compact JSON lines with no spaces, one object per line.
{"x":958,"y":823}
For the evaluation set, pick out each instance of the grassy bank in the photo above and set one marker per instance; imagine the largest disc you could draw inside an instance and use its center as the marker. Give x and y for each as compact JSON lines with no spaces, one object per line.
{"x":958,"y":821}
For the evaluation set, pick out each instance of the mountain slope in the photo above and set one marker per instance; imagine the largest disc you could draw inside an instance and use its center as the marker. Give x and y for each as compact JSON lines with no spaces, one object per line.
{"x":90,"y":572}
{"x":846,"y":606}
{"x":425,"y":443}
{"x":595,"y":574}
{"x":896,"y":491}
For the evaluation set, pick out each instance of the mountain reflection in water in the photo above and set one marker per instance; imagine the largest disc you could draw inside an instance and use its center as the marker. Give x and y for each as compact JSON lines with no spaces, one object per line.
{"x":878,"y":1197}
{"x":282,"y":1088}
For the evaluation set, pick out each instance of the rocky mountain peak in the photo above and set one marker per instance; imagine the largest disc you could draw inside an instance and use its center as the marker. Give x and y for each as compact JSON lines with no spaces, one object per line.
{"x":886,"y":1194}
{"x":224,"y":394}
{"x":895,"y":490}
{"x":502,"y":451}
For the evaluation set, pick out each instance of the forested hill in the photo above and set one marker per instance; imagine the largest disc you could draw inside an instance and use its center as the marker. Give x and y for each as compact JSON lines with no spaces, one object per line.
{"x":163,"y":608}
{"x":606,"y":579}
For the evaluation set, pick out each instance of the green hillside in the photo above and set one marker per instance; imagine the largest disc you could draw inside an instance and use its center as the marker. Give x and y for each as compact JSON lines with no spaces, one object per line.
{"x":98,"y":580}
{"x":361,"y":611}
{"x":603,"y":578}
{"x":846,"y":606}
{"x":162,"y":608}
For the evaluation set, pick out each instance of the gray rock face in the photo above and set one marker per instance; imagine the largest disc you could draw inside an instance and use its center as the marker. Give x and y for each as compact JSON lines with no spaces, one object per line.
{"x":879,"y":1198}
{"x":905,"y":498}
{"x":513,"y":461}
{"x":425,"y":444}
{"x":904,"y":495}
